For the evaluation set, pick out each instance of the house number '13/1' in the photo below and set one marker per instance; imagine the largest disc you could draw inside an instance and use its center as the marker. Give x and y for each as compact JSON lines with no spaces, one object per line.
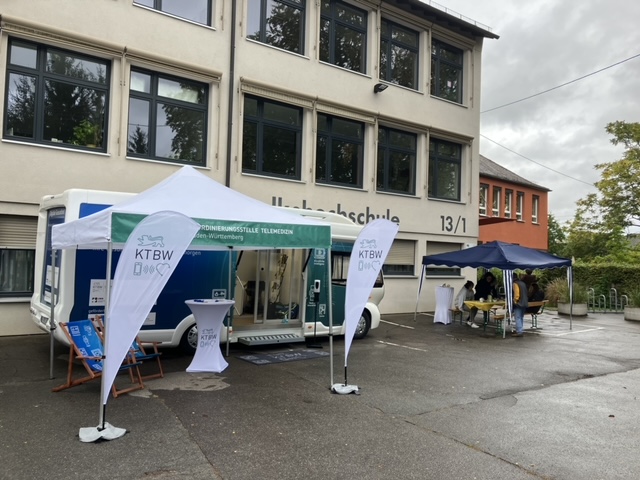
{"x":450,"y":224}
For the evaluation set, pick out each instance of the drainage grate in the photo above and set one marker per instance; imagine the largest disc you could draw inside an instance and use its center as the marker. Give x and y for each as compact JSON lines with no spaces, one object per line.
{"x":271,"y":339}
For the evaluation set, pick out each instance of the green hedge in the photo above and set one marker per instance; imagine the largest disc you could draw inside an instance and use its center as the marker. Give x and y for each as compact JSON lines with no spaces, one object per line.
{"x":601,"y":277}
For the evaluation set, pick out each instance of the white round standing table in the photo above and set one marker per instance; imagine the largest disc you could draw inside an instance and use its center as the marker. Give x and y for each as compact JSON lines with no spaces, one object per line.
{"x":444,"y":300}
{"x":209,"y":315}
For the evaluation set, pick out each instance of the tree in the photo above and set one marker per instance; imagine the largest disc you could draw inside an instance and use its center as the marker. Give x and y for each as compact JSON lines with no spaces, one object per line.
{"x":619,"y":187}
{"x":557,"y":237}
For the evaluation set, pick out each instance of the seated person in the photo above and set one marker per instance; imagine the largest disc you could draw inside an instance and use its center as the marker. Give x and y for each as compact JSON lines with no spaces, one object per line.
{"x":466,"y":293}
{"x":486,"y":287}
{"x":536,"y":294}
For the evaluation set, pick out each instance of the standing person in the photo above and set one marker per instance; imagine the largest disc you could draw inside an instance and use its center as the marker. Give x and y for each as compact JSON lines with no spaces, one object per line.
{"x":486,"y":287}
{"x":529,"y":279}
{"x":520,"y":304}
{"x":466,"y":293}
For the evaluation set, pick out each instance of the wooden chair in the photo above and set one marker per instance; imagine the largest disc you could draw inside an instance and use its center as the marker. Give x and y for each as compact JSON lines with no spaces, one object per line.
{"x":138,"y":352}
{"x":455,"y":311}
{"x":87,"y":347}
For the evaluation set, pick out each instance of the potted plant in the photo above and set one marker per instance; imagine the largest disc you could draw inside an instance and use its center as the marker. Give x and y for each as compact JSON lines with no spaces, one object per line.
{"x":632,"y":310}
{"x":580,"y":300}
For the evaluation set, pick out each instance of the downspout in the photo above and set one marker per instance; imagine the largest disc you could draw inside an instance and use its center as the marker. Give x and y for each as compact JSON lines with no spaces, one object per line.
{"x":232,"y":64}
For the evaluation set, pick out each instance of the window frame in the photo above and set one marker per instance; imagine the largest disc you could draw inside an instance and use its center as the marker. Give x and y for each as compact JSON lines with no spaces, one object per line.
{"x":153,"y":97}
{"x":400,"y":261}
{"x":483,"y":199}
{"x":535,"y":208}
{"x":300,"y":5}
{"x":519,"y":205}
{"x":261,"y":122}
{"x":508,"y":203}
{"x":435,"y":161}
{"x":497,"y":201}
{"x":328,"y":160}
{"x":388,"y":150}
{"x":438,"y":63}
{"x":436,"y":248}
{"x":157,"y":6}
{"x":42,"y":76}
{"x":389,"y":76}
{"x":335,"y":23}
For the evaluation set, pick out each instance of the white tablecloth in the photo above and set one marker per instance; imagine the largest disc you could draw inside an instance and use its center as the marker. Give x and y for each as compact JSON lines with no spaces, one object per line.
{"x":444,"y":301}
{"x":209,"y":315}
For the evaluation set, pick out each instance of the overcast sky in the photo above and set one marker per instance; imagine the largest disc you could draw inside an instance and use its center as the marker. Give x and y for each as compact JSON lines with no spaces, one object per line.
{"x":544,"y":44}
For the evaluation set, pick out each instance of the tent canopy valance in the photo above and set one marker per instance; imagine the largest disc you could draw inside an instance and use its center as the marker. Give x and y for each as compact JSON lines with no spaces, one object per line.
{"x":228,"y":219}
{"x":505,"y":256}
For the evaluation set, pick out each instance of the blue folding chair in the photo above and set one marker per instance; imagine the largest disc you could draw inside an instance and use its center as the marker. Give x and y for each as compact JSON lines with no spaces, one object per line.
{"x":87,"y":347}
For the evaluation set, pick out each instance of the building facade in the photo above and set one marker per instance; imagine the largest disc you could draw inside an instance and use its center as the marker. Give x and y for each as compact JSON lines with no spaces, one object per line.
{"x":512,"y":209}
{"x":368,"y":109}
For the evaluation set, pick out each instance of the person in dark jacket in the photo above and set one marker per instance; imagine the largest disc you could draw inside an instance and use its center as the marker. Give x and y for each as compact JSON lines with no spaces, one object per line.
{"x":536,"y":294}
{"x":486,"y":287}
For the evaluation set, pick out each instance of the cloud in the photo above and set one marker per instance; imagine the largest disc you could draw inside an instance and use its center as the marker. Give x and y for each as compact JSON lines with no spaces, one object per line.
{"x":543,"y":44}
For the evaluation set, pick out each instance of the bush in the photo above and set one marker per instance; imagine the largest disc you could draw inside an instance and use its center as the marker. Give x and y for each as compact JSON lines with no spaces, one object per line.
{"x":557,"y":290}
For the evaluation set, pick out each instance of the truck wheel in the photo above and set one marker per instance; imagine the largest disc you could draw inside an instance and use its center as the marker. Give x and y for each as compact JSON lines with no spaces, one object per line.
{"x":364,"y":324}
{"x":189,"y":341}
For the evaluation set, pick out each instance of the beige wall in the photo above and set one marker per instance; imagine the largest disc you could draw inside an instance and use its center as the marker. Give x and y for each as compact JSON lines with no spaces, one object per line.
{"x":129,"y":35}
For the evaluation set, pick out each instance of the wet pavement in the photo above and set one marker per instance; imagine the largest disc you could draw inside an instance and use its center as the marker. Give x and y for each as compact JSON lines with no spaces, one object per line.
{"x":436,"y":402}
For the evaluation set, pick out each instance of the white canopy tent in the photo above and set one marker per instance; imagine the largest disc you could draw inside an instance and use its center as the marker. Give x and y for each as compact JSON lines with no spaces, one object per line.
{"x":228,"y":221}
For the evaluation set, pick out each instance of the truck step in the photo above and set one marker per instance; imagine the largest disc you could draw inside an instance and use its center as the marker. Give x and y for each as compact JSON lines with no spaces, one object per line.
{"x":271,"y":339}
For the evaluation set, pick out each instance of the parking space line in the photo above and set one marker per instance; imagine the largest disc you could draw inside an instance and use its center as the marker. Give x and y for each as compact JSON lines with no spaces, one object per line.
{"x":402,"y":346}
{"x":398,"y":325}
{"x":566,"y":333}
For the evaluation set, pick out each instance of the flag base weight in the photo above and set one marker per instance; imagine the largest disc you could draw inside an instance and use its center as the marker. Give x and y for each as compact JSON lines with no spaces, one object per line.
{"x":344,"y":389}
{"x":109,"y":432}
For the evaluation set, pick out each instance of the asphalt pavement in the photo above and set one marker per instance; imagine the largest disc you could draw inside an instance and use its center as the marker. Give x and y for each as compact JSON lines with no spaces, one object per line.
{"x":436,"y":402}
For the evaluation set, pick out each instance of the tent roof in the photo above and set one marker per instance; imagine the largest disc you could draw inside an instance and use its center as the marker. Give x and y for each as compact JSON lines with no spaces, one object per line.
{"x":505,"y":256}
{"x":228,"y":219}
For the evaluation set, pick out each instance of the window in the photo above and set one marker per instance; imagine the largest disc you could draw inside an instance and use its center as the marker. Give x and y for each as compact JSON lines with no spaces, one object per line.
{"x":508,"y":201}
{"x":519,"y":205}
{"x":198,"y":11}
{"x":399,"y":54}
{"x":279,"y":23}
{"x":56,"y":97}
{"x":401,"y":258}
{"x":495,"y":206}
{"x":343,"y":35}
{"x":339,"y":151}
{"x":446,"y":71}
{"x":535,"y":205}
{"x":17,"y":255}
{"x":444,"y":169}
{"x":167,"y":118}
{"x":435,"y":248}
{"x":484,"y":196}
{"x":271,"y":140}
{"x":396,"y":161}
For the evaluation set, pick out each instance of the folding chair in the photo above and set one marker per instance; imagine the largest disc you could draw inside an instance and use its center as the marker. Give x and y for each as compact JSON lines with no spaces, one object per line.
{"x":139,"y":354}
{"x":137,"y":351}
{"x":86,"y":346}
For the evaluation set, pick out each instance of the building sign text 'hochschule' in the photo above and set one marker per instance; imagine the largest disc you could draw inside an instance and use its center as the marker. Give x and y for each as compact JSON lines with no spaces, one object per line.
{"x":361,"y":218}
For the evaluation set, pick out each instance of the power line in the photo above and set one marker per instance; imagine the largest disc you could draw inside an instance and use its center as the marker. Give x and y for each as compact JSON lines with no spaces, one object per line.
{"x":537,"y":163}
{"x":562,"y":85}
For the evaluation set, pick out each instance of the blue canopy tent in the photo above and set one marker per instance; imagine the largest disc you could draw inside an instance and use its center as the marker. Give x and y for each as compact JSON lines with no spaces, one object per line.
{"x":506,"y":256}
